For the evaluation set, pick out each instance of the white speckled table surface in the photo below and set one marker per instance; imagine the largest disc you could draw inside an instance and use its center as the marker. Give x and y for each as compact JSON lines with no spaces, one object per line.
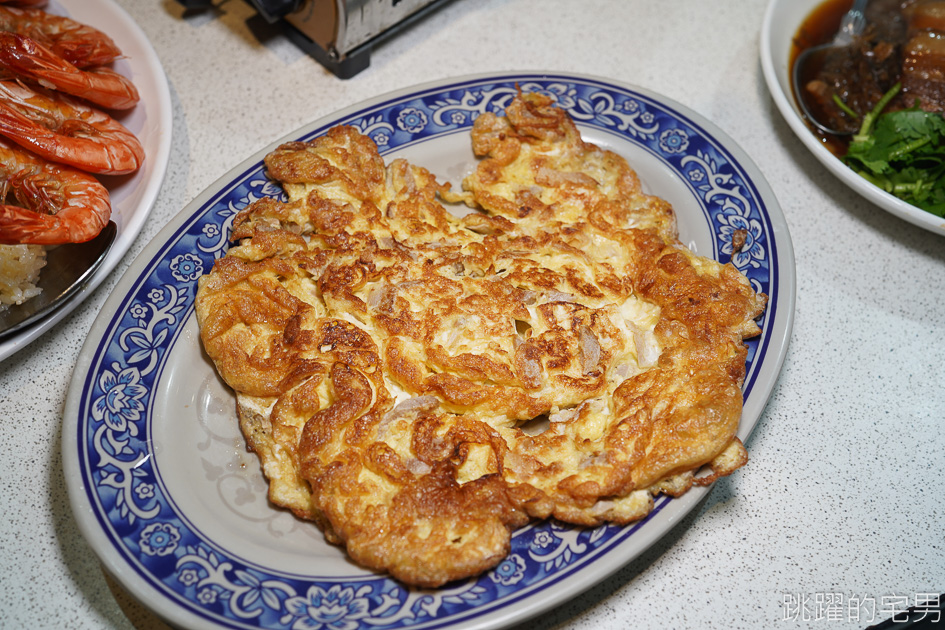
{"x":844,"y":490}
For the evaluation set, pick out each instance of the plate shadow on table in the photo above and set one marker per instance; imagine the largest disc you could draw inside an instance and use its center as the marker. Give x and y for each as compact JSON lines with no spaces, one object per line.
{"x":868,"y":237}
{"x":721,"y":493}
{"x":139,"y":616}
{"x":85,"y":571}
{"x":843,"y":199}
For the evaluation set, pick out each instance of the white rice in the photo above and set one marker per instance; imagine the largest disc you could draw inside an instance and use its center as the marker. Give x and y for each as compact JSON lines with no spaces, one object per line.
{"x":19,"y":272}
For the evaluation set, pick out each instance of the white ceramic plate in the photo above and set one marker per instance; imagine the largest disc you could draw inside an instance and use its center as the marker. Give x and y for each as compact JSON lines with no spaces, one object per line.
{"x":132,"y":196}
{"x":158,"y":474}
{"x":781,"y":21}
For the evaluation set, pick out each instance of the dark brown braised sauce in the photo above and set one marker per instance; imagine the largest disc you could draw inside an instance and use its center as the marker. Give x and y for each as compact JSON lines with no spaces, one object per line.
{"x":904,"y":41}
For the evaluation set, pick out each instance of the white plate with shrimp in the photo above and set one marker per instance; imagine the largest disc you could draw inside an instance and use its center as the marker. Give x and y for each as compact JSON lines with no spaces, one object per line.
{"x":132,"y":196}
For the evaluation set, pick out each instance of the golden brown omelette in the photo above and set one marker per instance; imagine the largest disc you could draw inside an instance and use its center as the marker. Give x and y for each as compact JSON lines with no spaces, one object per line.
{"x":421,"y":383}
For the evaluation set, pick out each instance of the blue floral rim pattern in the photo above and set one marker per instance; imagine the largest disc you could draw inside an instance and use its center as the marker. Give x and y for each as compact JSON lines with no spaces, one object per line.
{"x":213,"y":583}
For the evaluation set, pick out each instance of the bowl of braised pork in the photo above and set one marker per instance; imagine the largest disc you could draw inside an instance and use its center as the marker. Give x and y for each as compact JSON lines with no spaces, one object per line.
{"x":884,"y":94}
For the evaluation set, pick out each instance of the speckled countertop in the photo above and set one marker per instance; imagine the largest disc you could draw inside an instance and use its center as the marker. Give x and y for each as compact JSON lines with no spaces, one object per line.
{"x":843,"y":493}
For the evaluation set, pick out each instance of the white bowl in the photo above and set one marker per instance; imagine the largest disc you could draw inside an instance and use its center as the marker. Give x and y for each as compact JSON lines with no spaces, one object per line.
{"x":781,"y":21}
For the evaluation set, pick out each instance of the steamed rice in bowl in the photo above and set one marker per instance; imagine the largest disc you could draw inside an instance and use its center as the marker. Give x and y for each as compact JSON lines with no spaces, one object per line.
{"x":19,"y":273}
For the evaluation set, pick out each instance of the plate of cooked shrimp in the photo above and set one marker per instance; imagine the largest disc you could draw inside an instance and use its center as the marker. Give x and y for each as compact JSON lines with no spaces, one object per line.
{"x":85,"y":133}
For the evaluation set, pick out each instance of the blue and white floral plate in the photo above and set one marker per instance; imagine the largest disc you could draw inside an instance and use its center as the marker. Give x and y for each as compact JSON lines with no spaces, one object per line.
{"x":159,"y":477}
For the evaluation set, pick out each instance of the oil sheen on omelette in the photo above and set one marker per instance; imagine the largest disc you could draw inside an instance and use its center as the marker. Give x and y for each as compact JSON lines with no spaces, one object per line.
{"x":420,"y":382}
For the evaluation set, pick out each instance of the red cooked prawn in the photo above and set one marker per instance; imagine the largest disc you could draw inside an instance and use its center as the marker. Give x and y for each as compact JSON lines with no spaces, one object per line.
{"x":58,"y":204}
{"x":64,"y":130}
{"x":27,"y":58}
{"x":79,"y":44}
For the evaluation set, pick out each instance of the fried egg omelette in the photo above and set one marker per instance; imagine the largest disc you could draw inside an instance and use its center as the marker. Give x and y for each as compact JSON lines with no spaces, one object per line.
{"x":420,"y":382}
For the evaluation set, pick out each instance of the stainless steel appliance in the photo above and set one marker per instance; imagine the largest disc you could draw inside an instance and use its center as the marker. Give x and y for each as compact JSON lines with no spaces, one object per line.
{"x":339,"y":33}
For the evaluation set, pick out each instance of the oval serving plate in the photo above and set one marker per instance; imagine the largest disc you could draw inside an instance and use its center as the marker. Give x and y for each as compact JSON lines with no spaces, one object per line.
{"x":158,"y":474}
{"x":781,"y":21}
{"x":132,"y":196}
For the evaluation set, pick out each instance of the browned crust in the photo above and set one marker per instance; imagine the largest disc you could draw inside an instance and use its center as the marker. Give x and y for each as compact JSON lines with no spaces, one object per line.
{"x":385,"y":351}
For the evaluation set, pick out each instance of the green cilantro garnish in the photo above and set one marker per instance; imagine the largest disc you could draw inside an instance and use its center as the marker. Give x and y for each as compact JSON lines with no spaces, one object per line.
{"x":902,"y":152}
